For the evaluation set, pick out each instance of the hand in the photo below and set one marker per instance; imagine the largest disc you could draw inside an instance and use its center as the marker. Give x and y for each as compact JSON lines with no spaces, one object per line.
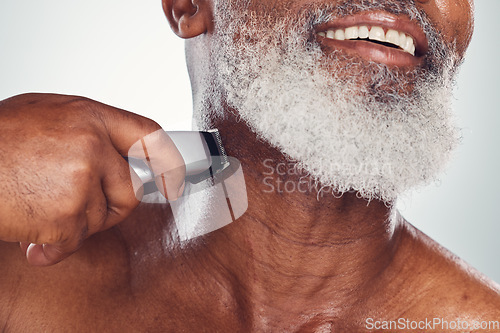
{"x":62,"y":174}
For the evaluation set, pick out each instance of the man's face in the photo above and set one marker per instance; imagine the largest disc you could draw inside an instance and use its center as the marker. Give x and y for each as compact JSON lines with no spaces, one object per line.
{"x":453,"y":19}
{"x":357,"y":92}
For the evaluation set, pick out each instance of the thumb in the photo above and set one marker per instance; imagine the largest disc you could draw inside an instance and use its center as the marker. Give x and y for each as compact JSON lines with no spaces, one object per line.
{"x":45,"y":255}
{"x":158,"y":151}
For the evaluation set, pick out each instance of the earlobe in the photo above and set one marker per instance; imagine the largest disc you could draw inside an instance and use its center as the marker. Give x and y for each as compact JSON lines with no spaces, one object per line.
{"x":188,"y":18}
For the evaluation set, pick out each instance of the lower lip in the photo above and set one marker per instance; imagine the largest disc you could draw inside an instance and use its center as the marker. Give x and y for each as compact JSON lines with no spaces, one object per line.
{"x":371,"y":51}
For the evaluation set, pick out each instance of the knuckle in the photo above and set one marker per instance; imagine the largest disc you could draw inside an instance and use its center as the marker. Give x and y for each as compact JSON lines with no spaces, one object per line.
{"x":49,"y":235}
{"x":34,"y":236}
{"x":87,"y":140}
{"x":18,"y":101}
{"x":83,"y":105}
{"x":77,"y":102}
{"x":66,"y":103}
{"x":28,"y":97}
{"x":70,"y":210}
{"x":128,"y":205}
{"x":67,"y":232}
{"x":81,"y":169}
{"x":97,"y":220}
{"x":82,"y":165}
{"x":123,"y":208}
{"x":80,"y":178}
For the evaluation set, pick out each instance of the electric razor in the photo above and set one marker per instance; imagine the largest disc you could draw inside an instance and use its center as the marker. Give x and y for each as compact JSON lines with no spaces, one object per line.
{"x":203,"y":154}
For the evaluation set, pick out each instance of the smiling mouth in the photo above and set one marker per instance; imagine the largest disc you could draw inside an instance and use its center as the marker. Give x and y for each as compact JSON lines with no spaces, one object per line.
{"x":391,"y":38}
{"x":376,"y":36}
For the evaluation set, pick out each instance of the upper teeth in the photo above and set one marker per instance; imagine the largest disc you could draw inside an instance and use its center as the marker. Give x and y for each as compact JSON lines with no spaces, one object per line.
{"x":404,"y":41}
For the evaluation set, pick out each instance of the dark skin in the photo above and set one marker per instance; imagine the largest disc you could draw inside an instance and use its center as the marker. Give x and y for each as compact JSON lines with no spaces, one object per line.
{"x":290,"y":263}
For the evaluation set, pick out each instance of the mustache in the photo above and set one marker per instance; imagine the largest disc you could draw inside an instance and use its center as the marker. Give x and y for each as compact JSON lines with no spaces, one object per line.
{"x":285,"y":30}
{"x":442,"y":55}
{"x":350,"y":7}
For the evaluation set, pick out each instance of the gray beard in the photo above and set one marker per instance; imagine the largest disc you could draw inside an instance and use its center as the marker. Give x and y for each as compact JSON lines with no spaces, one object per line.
{"x":355,"y":127}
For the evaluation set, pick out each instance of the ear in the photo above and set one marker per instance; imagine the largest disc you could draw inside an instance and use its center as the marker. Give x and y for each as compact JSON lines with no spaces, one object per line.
{"x":188,"y":18}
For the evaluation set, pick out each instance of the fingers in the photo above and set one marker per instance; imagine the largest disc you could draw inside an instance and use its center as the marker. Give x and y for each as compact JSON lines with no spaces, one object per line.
{"x":46,"y":254}
{"x":165,"y":161}
{"x":125,"y":128}
{"x":50,"y":254}
{"x":118,"y":185}
{"x":107,"y":205}
{"x":136,"y":136}
{"x":81,"y":184}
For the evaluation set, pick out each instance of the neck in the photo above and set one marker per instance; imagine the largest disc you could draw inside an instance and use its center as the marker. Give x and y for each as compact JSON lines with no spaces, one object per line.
{"x":296,"y":247}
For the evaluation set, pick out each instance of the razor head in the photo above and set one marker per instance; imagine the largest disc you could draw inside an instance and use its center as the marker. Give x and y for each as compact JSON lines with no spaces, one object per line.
{"x":217,"y":157}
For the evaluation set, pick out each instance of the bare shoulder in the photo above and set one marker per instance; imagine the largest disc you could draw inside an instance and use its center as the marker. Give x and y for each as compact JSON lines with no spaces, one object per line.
{"x":446,"y":286}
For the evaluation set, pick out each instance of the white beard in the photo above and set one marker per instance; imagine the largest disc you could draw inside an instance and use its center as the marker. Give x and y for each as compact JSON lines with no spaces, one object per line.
{"x":354,"y":129}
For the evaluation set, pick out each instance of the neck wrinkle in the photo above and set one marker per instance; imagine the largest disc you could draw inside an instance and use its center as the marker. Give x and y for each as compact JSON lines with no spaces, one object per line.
{"x":292,"y":251}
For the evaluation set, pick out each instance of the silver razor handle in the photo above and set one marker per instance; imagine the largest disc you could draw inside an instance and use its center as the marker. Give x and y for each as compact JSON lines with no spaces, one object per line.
{"x":202,"y":152}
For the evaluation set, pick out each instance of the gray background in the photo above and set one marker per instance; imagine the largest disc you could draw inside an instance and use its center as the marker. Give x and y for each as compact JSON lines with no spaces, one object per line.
{"x":122,"y":52}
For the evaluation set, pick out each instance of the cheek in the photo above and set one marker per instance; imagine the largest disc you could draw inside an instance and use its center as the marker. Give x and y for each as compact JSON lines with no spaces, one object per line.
{"x":455,"y":19}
